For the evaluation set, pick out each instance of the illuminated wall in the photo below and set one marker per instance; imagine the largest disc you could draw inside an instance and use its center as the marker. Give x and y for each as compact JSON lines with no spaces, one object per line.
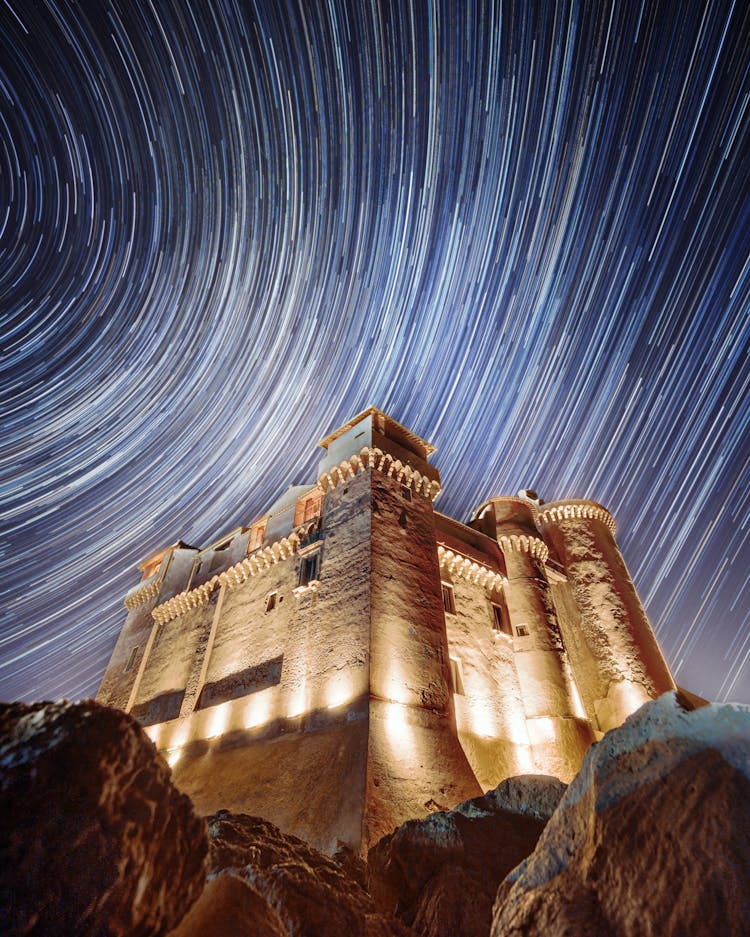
{"x":353,"y":658}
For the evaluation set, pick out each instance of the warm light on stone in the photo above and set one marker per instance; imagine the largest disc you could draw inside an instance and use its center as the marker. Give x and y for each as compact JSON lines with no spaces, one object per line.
{"x":338,"y":694}
{"x":398,"y":659}
{"x":297,"y":703}
{"x":173,"y":756}
{"x":397,"y":726}
{"x":218,"y":722}
{"x":257,"y":712}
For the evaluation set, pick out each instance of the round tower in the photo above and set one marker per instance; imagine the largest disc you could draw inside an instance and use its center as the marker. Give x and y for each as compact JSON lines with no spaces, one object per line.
{"x":626,"y":666}
{"x":558,"y":734}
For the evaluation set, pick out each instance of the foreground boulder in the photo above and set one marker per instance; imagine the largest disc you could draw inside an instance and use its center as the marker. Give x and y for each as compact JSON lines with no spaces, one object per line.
{"x":94,"y":839}
{"x":265,"y":882}
{"x":440,"y":874}
{"x":652,"y":838}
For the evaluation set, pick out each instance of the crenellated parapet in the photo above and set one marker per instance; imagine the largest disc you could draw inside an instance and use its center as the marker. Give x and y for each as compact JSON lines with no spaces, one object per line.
{"x":231,"y":578}
{"x":459,"y":565}
{"x":184,"y":602}
{"x":522,"y":544}
{"x":382,"y":462}
{"x":261,"y":560}
{"x":569,"y":510}
{"x":142,"y":595}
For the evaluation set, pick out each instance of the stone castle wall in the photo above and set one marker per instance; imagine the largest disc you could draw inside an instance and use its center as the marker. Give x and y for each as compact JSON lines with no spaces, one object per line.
{"x":356,"y":658}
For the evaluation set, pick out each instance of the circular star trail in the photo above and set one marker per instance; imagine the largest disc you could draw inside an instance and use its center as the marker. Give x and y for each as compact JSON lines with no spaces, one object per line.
{"x":521,"y":229}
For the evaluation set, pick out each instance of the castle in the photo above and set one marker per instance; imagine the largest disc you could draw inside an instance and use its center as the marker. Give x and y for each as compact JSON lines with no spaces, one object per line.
{"x":355,"y":658}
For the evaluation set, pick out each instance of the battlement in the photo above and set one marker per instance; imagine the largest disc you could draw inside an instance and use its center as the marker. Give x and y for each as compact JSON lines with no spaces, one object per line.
{"x":393,"y":657}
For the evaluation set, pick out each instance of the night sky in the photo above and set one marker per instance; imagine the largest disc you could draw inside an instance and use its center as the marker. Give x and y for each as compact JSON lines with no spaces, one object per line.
{"x":523,"y":230}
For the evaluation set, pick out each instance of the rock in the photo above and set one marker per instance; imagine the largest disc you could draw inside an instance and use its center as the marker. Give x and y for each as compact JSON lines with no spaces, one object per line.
{"x":535,"y":795}
{"x":352,"y":863}
{"x":229,"y":907}
{"x":305,"y":893}
{"x":94,"y":839}
{"x":652,"y":837}
{"x":440,"y":874}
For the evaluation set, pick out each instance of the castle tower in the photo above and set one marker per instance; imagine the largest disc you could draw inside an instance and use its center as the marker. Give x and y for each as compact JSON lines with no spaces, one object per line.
{"x":558,"y":730}
{"x":413,"y":755}
{"x":353,"y":658}
{"x":623,"y":666}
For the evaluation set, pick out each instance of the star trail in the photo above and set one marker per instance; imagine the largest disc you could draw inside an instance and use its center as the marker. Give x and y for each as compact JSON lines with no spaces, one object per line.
{"x":521,"y":229}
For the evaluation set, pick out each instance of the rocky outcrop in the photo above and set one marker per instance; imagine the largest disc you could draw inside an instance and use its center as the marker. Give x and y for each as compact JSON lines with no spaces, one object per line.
{"x":265,"y":882}
{"x":93,"y":837}
{"x":440,"y":874}
{"x":651,"y":839}
{"x":230,"y":907}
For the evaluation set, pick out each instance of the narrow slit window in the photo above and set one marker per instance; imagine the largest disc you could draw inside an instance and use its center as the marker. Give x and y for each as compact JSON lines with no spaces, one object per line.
{"x":310,"y":568}
{"x":449,"y":602}
{"x":271,"y":602}
{"x":457,"y":683}
{"x":406,"y":492}
{"x":131,"y":660}
{"x":500,"y":620}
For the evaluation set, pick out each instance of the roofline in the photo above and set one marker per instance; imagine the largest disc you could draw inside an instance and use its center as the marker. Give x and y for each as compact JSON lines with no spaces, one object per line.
{"x":392,"y":427}
{"x":157,"y":554}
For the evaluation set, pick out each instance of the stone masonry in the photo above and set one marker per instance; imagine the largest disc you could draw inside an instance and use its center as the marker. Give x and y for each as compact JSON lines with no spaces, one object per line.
{"x":354,"y":659}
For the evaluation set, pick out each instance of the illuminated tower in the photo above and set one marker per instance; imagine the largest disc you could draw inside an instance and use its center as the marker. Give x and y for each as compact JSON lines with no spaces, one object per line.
{"x":354,"y":658}
{"x":621,"y":666}
{"x":559,"y":732}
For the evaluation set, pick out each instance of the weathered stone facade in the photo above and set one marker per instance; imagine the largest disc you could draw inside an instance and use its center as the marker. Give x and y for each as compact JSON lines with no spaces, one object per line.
{"x":354,"y":658}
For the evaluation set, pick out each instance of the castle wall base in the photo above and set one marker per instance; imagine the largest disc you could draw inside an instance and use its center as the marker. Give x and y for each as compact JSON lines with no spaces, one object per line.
{"x":415,"y":765}
{"x":310,"y":783}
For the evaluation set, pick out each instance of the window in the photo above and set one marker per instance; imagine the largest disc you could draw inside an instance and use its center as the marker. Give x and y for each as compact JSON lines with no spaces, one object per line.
{"x":522,"y":631}
{"x":500,"y":620}
{"x":406,"y":492}
{"x":256,"y":536}
{"x":449,"y":603}
{"x":271,"y":602}
{"x":310,"y":568}
{"x":308,"y":508}
{"x":457,"y":682}
{"x":131,"y":660}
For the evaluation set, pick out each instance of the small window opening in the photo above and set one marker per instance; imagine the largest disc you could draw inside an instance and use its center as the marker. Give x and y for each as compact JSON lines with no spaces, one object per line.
{"x":457,"y":682}
{"x":449,"y":603}
{"x":500,"y":620}
{"x":308,"y":508}
{"x":256,"y":537}
{"x":406,"y":492}
{"x":271,"y":602}
{"x":522,"y":631}
{"x":131,"y":660}
{"x":309,"y":569}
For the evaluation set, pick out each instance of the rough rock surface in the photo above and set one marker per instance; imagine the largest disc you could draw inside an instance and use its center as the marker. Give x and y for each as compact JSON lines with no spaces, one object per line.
{"x":94,"y":839}
{"x":229,"y":907}
{"x":652,"y":837}
{"x":440,"y":874}
{"x":265,"y":882}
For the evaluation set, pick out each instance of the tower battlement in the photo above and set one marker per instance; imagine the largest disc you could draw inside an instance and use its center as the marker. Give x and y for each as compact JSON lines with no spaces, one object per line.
{"x":353,"y":658}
